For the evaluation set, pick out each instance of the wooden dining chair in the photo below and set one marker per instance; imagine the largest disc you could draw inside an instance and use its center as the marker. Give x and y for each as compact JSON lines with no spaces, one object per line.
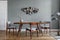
{"x":45,"y":27}
{"x":10,"y":26}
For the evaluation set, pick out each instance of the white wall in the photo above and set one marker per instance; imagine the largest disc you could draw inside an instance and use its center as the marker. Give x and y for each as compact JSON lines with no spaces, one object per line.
{"x":3,"y":14}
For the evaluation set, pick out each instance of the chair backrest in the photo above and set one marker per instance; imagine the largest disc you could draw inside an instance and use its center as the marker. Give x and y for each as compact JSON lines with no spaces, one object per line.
{"x":9,"y":24}
{"x":45,"y":25}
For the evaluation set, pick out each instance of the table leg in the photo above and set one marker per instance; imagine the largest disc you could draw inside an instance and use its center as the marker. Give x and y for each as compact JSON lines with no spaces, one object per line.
{"x":37,"y":30}
{"x":30,"y":32}
{"x":13,"y":31}
{"x":49,"y":28}
{"x":20,"y":26}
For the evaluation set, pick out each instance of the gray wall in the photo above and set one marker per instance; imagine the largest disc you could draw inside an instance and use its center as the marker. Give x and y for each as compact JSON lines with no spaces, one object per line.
{"x":46,"y":8}
{"x":54,"y":10}
{"x":59,"y":5}
{"x":44,"y":13}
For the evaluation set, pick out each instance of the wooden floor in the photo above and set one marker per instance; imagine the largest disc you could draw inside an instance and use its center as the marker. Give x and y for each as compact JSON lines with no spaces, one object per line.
{"x":10,"y":36}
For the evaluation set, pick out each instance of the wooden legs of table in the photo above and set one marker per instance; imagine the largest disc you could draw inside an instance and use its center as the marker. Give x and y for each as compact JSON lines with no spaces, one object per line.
{"x":18,"y":32}
{"x":30,"y":31}
{"x":37,"y":30}
{"x":20,"y":26}
{"x":26,"y":31}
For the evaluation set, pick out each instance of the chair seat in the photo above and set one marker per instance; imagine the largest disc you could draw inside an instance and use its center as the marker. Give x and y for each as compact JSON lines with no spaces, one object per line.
{"x":45,"y":27}
{"x":31,"y":30}
{"x":11,"y":27}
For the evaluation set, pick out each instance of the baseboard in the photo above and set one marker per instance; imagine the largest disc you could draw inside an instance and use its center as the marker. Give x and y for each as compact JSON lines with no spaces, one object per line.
{"x":2,"y":30}
{"x":53,"y":30}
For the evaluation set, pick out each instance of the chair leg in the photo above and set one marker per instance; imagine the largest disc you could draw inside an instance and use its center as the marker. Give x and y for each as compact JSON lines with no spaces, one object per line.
{"x":16,"y":30}
{"x":13,"y":31}
{"x":42,"y":33}
{"x":46,"y":31}
{"x":37,"y":33}
{"x":30,"y":34}
{"x":26,"y":32}
{"x":9,"y":31}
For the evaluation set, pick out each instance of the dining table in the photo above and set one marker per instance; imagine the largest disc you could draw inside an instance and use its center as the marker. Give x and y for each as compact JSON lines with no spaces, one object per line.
{"x":30,"y":23}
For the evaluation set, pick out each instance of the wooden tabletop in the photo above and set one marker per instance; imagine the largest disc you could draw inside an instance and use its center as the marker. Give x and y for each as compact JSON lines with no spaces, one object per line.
{"x":31,"y":22}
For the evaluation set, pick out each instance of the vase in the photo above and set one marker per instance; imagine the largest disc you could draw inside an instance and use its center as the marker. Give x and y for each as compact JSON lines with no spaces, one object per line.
{"x":21,"y":20}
